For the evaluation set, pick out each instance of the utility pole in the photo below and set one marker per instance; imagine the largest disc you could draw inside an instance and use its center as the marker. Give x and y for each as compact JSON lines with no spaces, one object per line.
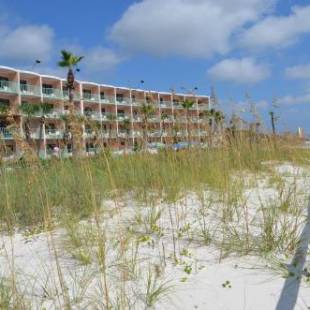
{"x":273,"y":126}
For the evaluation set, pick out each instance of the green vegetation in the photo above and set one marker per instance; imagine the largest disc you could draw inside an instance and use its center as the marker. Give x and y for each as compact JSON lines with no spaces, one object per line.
{"x":122,"y":215}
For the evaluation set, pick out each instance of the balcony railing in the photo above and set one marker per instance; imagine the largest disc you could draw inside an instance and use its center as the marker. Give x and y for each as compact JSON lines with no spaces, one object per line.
{"x":137,"y":119}
{"x":123,"y":101}
{"x":203,"y":106}
{"x":76,"y":96}
{"x":52,"y":93}
{"x":107,"y":100}
{"x":91,"y":98}
{"x":5,"y":133}
{"x":93,"y":115}
{"x":35,"y":133}
{"x":154,"y":134}
{"x":55,"y":114}
{"x":165,"y":104}
{"x":138,"y":102}
{"x":177,"y":105}
{"x":112,"y":134}
{"x":30,"y":90}
{"x":122,"y":117}
{"x":53,"y":133}
{"x":8,"y":86}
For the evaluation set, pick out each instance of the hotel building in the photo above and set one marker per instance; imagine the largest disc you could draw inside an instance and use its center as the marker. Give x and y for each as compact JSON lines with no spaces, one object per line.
{"x":109,"y":114}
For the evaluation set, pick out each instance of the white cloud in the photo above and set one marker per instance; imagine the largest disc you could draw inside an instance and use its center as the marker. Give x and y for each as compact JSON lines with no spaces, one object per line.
{"x":194,"y":28}
{"x":298,"y":72}
{"x":100,"y":59}
{"x":278,"y":31}
{"x":294,"y":100}
{"x":241,"y":71}
{"x":26,"y":43}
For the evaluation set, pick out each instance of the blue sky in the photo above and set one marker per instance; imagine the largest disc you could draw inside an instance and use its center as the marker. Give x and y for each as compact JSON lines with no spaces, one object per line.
{"x":255,"y":47}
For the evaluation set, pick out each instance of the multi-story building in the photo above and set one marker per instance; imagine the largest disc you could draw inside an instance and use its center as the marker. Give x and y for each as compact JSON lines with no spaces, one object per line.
{"x":110,"y":115}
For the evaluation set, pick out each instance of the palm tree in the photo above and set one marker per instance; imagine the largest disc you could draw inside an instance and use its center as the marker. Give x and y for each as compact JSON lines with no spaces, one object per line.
{"x":28,"y":110}
{"x":187,"y":105}
{"x":70,"y":61}
{"x":111,"y":118}
{"x":209,"y":114}
{"x":219,"y":119}
{"x":147,"y":110}
{"x":126,"y":126}
{"x":45,"y":108}
{"x":163,"y":117}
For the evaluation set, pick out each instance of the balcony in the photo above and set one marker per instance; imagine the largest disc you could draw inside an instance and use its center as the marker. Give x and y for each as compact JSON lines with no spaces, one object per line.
{"x":89,"y":133}
{"x":123,"y":134}
{"x":55,"y":114}
{"x":203,"y":107}
{"x":5,"y":134}
{"x":108,"y":117}
{"x":76,"y":96}
{"x":165,"y":104}
{"x":91,"y":98}
{"x":106,"y":134}
{"x":154,"y":119}
{"x":8,"y":87}
{"x":136,"y":134}
{"x":138,"y":102}
{"x":122,"y":117}
{"x":155,"y":134}
{"x":177,"y":105}
{"x":35,"y":134}
{"x":30,"y":90}
{"x":123,"y":101}
{"x":52,"y":93}
{"x":93,"y":115}
{"x":137,"y":119}
{"x":107,"y":100}
{"x":52,"y":133}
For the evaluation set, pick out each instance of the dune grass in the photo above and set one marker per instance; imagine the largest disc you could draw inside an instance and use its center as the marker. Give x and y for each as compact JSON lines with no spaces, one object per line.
{"x":114,"y":208}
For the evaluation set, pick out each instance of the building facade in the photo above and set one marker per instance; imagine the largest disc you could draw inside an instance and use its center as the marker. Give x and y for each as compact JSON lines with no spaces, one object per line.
{"x":110,"y":116}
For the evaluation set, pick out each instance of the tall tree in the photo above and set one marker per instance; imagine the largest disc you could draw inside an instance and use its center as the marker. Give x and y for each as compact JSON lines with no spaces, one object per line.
{"x":187,"y":105}
{"x":70,"y":61}
{"x":45,"y":108}
{"x":29,"y":111}
{"x":147,"y":110}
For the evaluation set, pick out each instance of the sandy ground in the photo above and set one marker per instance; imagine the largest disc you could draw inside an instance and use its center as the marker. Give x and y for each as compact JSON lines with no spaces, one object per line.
{"x":234,"y":283}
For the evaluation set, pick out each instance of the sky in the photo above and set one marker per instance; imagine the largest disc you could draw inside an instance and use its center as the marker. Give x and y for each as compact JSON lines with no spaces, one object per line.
{"x":254,"y":53}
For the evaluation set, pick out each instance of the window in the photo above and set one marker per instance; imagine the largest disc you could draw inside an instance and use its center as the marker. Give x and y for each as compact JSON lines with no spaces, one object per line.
{"x":119,"y":97}
{"x":102,"y":95}
{"x":23,"y":85}
{"x":133,"y":98}
{"x":47,"y":89}
{"x":88,"y":111}
{"x":50,"y":128}
{"x":120,"y":113}
{"x":87,"y":94}
{"x":4,"y":82}
{"x":103,"y":111}
{"x":4,"y":101}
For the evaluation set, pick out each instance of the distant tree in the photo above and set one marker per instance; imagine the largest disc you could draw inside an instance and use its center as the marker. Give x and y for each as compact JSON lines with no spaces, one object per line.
{"x":70,"y":61}
{"x":187,"y":105}
{"x":29,"y":111}
{"x":147,"y":111}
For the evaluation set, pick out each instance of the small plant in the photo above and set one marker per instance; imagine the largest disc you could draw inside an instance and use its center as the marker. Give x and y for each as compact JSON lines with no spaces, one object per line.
{"x":155,"y":291}
{"x":186,"y":252}
{"x":226,"y":284}
{"x":188,"y":269}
